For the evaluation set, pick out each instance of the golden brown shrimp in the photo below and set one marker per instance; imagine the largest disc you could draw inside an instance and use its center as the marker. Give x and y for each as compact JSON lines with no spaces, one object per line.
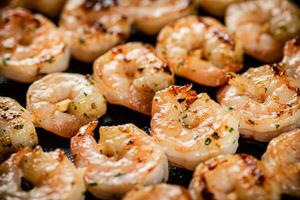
{"x":160,"y":191}
{"x":216,"y":7}
{"x":94,"y":26}
{"x":192,"y":128}
{"x":53,"y":176}
{"x":264,"y":26}
{"x":130,"y":74}
{"x":150,"y":16}
{"x":62,"y":102}
{"x":30,"y":45}
{"x":264,"y":101}
{"x":283,"y":159}
{"x":200,"y":49}
{"x":124,"y":157}
{"x":228,"y":177}
{"x":16,"y":128}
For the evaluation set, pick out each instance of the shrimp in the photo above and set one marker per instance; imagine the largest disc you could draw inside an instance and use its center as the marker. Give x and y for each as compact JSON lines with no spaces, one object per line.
{"x":150,"y":16}
{"x":124,"y":157}
{"x":160,"y":191}
{"x":216,"y":7}
{"x":62,"y":102}
{"x":16,"y":128}
{"x":192,"y":128}
{"x":52,"y":175}
{"x":283,"y":159}
{"x":200,"y":49}
{"x":130,"y":74}
{"x":264,"y":26}
{"x":263,"y":100}
{"x":94,"y":27}
{"x":291,"y":62}
{"x":30,"y":45}
{"x":48,"y":7}
{"x":239,"y":176}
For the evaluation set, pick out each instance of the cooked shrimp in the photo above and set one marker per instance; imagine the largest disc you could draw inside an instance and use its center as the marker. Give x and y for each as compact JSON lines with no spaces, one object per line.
{"x":216,"y":7}
{"x":94,"y":26}
{"x":192,"y":128}
{"x":48,"y":7}
{"x":291,"y":62}
{"x":283,"y":159}
{"x":160,"y":191}
{"x":124,"y":157}
{"x":264,"y":26}
{"x":52,"y":175}
{"x":16,"y":128}
{"x":229,"y":177}
{"x":264,"y":101}
{"x":130,"y":74}
{"x":150,"y":16}
{"x":62,"y":102}
{"x":200,"y":49}
{"x":30,"y":45}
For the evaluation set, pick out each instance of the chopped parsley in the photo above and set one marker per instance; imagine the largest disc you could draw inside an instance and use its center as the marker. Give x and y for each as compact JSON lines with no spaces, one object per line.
{"x":277,"y":126}
{"x":229,"y":108}
{"x":207,"y":141}
{"x":215,"y":135}
{"x":81,"y":40}
{"x":5,"y":60}
{"x":85,"y":94}
{"x":231,"y":130}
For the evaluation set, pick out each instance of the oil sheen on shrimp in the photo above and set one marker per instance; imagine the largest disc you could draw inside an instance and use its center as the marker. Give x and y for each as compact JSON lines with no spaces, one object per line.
{"x":52,"y":175}
{"x":192,"y":128}
{"x":239,"y":176}
{"x":62,"y":102}
{"x":124,"y":158}
{"x":200,"y":49}
{"x":94,"y":27}
{"x":30,"y":45}
{"x":16,"y":128}
{"x":264,"y":26}
{"x":264,"y":101}
{"x":160,"y":191}
{"x":283,"y":159}
{"x":130,"y":74}
{"x":216,"y":7}
{"x":150,"y":16}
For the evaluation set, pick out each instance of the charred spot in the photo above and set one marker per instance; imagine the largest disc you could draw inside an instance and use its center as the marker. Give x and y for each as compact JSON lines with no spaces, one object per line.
{"x":100,"y":27}
{"x":166,"y":69}
{"x":26,"y":185}
{"x":276,"y":68}
{"x":130,"y":142}
{"x":140,"y":69}
{"x":180,"y":100}
{"x":205,"y":193}
{"x":255,"y":170}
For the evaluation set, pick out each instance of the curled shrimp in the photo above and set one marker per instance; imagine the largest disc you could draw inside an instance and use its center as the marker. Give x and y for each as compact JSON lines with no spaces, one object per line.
{"x":124,"y":157}
{"x":150,"y":16}
{"x":192,"y":128}
{"x":291,"y":62}
{"x":264,"y":26}
{"x":216,"y":7}
{"x":62,"y":102}
{"x":94,"y":27}
{"x":16,"y":128}
{"x":262,"y":98}
{"x":239,"y":176}
{"x":52,"y":175}
{"x":160,"y":191}
{"x":30,"y":45}
{"x":282,"y":158}
{"x":130,"y":74}
{"x":200,"y":49}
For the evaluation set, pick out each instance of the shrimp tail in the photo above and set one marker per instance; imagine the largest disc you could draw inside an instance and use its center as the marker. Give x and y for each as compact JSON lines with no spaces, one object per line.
{"x":87,"y":129}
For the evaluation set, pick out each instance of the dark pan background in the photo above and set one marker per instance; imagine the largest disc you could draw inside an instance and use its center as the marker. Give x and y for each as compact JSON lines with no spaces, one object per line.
{"x":120,"y":115}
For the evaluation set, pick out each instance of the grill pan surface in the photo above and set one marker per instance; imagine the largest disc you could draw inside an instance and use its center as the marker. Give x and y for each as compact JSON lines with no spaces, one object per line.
{"x":117,"y":115}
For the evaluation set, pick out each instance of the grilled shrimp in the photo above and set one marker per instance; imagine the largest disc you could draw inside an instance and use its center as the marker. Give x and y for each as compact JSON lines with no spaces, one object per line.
{"x":52,"y":175}
{"x":264,"y":101}
{"x":30,"y":45}
{"x":192,"y":128}
{"x":200,"y":49}
{"x":150,"y":16}
{"x":130,"y":74}
{"x":62,"y":102}
{"x":264,"y":26}
{"x":16,"y":128}
{"x":283,"y":159}
{"x":291,"y":62}
{"x":94,"y":27}
{"x":237,"y":176}
{"x":160,"y":191}
{"x":216,"y":7}
{"x":124,"y":157}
